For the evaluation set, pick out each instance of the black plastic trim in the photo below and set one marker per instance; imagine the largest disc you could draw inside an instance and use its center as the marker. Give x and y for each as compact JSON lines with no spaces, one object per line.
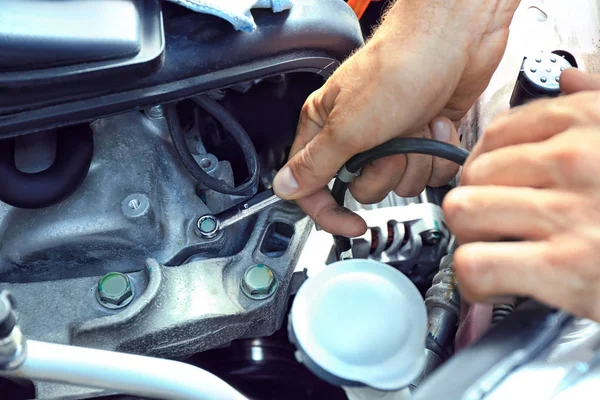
{"x":89,"y":109}
{"x":152,"y":47}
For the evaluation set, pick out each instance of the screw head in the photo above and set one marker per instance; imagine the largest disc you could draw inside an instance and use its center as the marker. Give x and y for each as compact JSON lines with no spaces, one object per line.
{"x":259,"y":282}
{"x":114,"y":290}
{"x":208,"y":226}
{"x":135,"y":205}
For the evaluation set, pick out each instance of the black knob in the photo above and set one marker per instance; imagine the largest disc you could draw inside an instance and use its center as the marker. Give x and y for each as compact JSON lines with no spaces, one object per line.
{"x":539,"y":77}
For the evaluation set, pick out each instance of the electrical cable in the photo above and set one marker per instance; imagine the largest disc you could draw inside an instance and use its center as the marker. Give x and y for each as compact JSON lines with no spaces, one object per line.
{"x":217,"y":111}
{"x":395,"y":146}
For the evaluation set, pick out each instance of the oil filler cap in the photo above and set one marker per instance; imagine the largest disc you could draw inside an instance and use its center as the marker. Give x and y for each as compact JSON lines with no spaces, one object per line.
{"x":360,"y":323}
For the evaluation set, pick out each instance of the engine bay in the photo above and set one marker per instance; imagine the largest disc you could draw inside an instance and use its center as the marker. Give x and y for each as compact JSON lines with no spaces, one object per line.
{"x":109,"y":173}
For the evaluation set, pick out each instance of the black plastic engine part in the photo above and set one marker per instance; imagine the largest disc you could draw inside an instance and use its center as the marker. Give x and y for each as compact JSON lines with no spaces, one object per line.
{"x":202,"y":53}
{"x":539,"y":76}
{"x":80,"y":32}
{"x":123,"y":40}
{"x":74,"y":151}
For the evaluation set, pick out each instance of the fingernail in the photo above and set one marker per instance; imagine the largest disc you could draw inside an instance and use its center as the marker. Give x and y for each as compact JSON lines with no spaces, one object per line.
{"x":284,"y":183}
{"x":441,"y":130}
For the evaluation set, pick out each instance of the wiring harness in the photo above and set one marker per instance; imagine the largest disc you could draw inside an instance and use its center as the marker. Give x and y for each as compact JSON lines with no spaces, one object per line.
{"x":231,"y":125}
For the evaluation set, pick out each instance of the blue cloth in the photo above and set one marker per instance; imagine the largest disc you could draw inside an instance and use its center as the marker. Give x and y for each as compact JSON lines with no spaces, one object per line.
{"x":235,"y":11}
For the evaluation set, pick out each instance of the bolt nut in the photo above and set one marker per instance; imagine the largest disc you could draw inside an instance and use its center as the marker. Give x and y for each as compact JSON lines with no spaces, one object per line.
{"x":114,"y":290}
{"x":155,"y":112}
{"x":259,"y":282}
{"x":208,"y":226}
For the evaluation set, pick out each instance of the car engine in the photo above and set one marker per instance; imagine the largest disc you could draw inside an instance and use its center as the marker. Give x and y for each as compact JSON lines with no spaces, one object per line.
{"x":109,"y":164}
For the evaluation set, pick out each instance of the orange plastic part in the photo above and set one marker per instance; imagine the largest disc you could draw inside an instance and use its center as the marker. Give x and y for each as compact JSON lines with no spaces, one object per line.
{"x":359,"y":6}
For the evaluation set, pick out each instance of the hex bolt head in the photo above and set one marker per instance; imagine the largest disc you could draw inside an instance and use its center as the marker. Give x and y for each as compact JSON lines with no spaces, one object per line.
{"x":155,"y":112}
{"x":207,"y":226}
{"x":114,"y":290}
{"x":259,"y":282}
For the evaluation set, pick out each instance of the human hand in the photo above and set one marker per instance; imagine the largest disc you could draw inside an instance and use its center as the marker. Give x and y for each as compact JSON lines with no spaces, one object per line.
{"x":534,"y":177}
{"x":428,"y":59}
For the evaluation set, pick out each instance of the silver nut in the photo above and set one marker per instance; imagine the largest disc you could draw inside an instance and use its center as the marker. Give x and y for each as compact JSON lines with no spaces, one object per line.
{"x":259,"y":282}
{"x":155,"y":112}
{"x":114,"y":290}
{"x":207,"y":226}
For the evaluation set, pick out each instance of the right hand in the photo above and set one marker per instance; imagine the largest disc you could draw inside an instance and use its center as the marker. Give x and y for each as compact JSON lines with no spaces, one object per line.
{"x":418,"y":76}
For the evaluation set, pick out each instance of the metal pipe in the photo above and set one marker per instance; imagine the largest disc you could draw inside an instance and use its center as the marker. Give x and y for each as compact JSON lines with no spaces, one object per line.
{"x":250,"y":207}
{"x":124,"y":373}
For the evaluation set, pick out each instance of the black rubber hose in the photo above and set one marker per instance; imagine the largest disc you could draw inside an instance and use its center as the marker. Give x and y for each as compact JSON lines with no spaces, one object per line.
{"x":74,"y":151}
{"x":218,"y":112}
{"x":390,"y":148}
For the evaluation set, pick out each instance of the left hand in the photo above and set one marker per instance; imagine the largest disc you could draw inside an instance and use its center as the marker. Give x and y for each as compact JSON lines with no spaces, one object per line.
{"x":534,"y":177}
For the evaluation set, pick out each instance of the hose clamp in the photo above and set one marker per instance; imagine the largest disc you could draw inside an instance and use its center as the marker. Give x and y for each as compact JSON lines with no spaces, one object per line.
{"x":346,"y":176}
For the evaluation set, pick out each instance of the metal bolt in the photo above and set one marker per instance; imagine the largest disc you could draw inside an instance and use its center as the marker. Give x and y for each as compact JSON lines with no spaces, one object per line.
{"x":114,"y":290}
{"x":155,"y":112}
{"x":207,"y":226}
{"x":259,"y":282}
{"x":432,"y":236}
{"x":135,"y":205}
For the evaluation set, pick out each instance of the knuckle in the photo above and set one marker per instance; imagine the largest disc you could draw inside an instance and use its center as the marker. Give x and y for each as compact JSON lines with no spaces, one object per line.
{"x":306,"y":165}
{"x":408,"y":191}
{"x":368,"y":196}
{"x":466,"y":175}
{"x":572,"y":158}
{"x":467,"y":272}
{"x":493,"y":136}
{"x":587,"y":104}
{"x":313,"y":109}
{"x":455,"y":203}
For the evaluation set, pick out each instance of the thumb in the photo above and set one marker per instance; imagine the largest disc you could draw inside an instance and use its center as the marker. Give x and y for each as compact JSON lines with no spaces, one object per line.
{"x":313,"y":167}
{"x":573,"y":80}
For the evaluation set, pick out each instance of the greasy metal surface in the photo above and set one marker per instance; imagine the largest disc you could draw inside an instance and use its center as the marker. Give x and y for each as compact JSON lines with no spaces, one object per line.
{"x":137,"y":202}
{"x":178,"y":310}
{"x":538,"y":25}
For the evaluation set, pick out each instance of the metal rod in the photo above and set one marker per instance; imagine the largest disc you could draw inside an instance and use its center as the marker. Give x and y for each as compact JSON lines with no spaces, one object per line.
{"x":124,"y":373}
{"x":248,"y":208}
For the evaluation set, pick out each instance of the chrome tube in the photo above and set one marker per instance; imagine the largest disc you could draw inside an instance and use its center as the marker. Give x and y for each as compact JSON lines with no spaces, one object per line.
{"x":124,"y":373}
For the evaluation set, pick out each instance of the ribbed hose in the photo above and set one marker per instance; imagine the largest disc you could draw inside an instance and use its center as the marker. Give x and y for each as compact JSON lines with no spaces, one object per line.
{"x":229,"y":123}
{"x":395,"y":146}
